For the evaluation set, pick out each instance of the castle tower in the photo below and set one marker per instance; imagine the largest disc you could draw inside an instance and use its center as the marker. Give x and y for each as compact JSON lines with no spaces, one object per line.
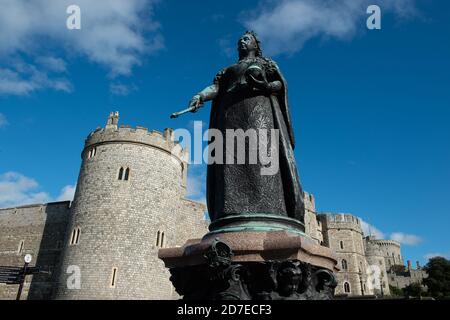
{"x":377,"y":271}
{"x":343,"y":234}
{"x":313,"y":226}
{"x":391,"y":251}
{"x":129,"y":202}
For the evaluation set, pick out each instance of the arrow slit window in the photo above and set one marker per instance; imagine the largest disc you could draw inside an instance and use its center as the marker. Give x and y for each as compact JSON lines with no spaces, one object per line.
{"x":21,"y":246}
{"x":113,"y":278}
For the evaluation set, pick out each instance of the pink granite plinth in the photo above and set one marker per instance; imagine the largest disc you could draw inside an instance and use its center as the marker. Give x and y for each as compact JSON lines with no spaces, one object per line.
{"x":253,"y":247}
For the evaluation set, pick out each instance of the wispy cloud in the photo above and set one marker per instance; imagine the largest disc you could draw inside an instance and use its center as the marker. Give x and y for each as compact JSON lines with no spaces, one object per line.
{"x":67,"y":193}
{"x":407,"y":239}
{"x":285,"y":26}
{"x":115,"y":36}
{"x":23,"y":78}
{"x":196,"y":183}
{"x":17,"y":189}
{"x":120,"y":89}
{"x":369,"y":229}
{"x":3,"y":121}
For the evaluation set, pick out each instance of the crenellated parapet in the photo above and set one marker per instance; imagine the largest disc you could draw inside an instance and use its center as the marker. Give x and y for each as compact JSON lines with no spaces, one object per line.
{"x":113,"y":133}
{"x":385,"y":243}
{"x":341,"y":221}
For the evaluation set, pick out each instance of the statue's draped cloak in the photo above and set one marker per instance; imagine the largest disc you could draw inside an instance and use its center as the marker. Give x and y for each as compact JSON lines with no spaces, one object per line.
{"x":240,"y":189}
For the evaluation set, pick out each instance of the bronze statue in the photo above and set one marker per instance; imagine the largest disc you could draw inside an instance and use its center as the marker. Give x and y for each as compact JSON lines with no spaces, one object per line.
{"x":251,"y":94}
{"x":256,"y":247}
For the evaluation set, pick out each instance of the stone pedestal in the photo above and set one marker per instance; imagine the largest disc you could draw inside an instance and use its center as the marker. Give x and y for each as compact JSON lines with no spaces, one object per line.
{"x":252,"y":265}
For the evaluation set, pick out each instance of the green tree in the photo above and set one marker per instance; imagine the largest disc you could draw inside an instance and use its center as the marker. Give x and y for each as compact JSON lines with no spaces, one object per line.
{"x":413,"y":290}
{"x":396,"y":291}
{"x":438,"y":281}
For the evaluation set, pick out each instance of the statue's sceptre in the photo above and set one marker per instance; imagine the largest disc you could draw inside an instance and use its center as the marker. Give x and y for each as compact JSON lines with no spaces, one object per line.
{"x":192,"y":108}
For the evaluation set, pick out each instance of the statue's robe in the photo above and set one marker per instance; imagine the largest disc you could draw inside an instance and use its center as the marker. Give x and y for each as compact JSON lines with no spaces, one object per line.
{"x":234,"y":189}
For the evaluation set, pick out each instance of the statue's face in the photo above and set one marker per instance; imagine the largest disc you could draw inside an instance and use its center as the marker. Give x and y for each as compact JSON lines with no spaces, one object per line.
{"x":247,"y":43}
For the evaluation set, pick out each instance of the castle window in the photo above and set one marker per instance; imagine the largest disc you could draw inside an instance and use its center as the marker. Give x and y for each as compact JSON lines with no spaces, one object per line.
{"x":344,"y":264}
{"x":160,"y":239}
{"x":341,"y":244}
{"x":124,"y":173}
{"x":346,"y":287}
{"x":58,"y":244}
{"x":113,"y":278}
{"x":92,"y":153}
{"x":75,"y":238}
{"x":21,"y":246}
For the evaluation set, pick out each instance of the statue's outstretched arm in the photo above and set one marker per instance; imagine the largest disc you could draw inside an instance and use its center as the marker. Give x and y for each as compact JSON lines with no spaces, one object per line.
{"x":207,"y":94}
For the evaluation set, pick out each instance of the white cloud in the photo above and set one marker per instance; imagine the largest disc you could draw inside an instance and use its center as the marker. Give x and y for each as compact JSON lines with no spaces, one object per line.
{"x":407,"y":239}
{"x":3,"y":120}
{"x":284,"y":26}
{"x":24,"y":78}
{"x":115,"y":34}
{"x":120,"y":89}
{"x":196,"y":184}
{"x":18,"y":190}
{"x":369,"y":229}
{"x":67,"y":193}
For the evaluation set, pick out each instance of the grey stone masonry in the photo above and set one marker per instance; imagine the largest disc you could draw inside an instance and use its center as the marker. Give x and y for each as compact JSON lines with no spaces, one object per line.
{"x":38,"y":230}
{"x":129,"y":203}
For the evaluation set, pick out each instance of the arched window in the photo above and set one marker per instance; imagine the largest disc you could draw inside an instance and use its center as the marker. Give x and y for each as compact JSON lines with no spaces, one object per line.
{"x":341,"y":244}
{"x":75,"y":237}
{"x":344,"y":264}
{"x":121,"y":173}
{"x":92,"y":153}
{"x":127,"y":174}
{"x":346,"y":287}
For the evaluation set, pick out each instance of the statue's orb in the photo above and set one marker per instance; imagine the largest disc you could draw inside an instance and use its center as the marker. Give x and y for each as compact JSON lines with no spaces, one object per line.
{"x":256,"y":71}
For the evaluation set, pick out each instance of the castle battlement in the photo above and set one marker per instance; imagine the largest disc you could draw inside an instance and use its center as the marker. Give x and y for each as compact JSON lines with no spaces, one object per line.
{"x":384,"y":243}
{"x":341,"y":221}
{"x":113,"y":133}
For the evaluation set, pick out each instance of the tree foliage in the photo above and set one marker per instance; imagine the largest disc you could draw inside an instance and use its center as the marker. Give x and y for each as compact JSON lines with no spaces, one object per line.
{"x":438,"y":281}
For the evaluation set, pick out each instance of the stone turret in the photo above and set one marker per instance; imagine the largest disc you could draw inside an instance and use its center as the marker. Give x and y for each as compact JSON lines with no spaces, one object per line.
{"x":129,"y":203}
{"x":343,"y":234}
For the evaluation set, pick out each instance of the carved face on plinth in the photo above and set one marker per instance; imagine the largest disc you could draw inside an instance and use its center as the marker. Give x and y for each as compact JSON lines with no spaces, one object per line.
{"x":289,"y":278}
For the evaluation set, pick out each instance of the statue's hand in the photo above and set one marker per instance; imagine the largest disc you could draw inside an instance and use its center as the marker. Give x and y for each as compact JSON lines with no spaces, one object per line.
{"x":258,"y":84}
{"x":195,"y":103}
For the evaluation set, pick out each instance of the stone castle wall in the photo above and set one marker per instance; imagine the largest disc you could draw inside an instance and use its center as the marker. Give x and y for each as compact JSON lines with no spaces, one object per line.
{"x":313,"y":226}
{"x":343,"y":234}
{"x":391,"y":251}
{"x":38,"y":230}
{"x":124,"y":222}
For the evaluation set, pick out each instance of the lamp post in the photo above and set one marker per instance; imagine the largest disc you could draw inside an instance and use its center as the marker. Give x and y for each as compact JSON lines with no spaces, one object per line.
{"x":361,"y":282}
{"x":27,"y":259}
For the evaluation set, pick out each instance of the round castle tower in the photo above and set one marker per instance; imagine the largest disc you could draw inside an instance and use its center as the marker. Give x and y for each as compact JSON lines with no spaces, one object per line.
{"x":343,"y":234}
{"x":376,"y":261}
{"x":128,"y":204}
{"x":391,"y":251}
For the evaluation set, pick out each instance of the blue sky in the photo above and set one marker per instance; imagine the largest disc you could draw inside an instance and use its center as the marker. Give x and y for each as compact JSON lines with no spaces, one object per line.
{"x":371,"y":107}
